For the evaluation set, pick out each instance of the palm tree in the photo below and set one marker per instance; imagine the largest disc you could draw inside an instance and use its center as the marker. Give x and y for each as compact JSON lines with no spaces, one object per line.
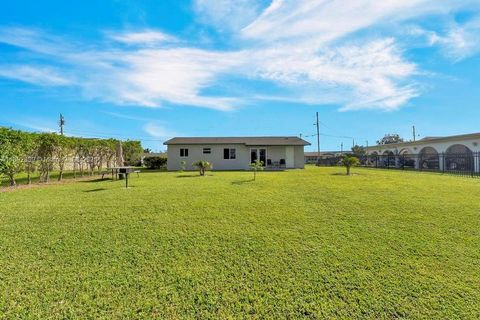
{"x":202,"y":166}
{"x":348,"y":162}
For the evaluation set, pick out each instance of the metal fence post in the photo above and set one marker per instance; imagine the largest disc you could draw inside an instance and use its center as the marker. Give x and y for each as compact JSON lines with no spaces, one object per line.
{"x":443,"y":162}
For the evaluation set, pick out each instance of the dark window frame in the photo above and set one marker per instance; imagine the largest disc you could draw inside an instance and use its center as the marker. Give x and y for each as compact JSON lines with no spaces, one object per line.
{"x":229,"y":153}
{"x":183,"y":152}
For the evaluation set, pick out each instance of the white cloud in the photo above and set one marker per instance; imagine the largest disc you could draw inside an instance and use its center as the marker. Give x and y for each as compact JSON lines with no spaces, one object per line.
{"x":461,"y":41}
{"x":227,"y":15}
{"x":319,"y":21}
{"x":158,"y":131}
{"x":37,"y":75}
{"x":310,"y":49}
{"x":457,"y":41}
{"x":33,"y":124}
{"x":145,"y":37}
{"x":366,"y":76}
{"x":139,"y":76}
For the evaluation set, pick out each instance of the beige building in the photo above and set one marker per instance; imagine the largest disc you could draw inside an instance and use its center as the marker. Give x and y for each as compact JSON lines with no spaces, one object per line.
{"x":451,"y":153}
{"x":237,"y":153}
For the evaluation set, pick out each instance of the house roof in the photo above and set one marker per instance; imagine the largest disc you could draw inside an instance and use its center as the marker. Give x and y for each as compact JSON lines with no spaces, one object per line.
{"x":429,"y":140}
{"x":249,"y":141}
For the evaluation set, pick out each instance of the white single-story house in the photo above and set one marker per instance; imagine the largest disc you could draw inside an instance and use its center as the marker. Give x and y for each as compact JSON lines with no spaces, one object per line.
{"x":236,"y":153}
{"x":460,"y":152}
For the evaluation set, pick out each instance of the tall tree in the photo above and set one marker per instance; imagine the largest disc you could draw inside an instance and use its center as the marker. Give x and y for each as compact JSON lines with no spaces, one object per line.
{"x":47,"y":144}
{"x":390,"y":138}
{"x":30,"y":141}
{"x":11,"y":153}
{"x":63,"y":150}
{"x":132,"y":152}
{"x":358,"y":151}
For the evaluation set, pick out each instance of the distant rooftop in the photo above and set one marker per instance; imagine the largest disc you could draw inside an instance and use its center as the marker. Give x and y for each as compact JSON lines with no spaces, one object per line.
{"x":249,"y":141}
{"x":314,"y":153}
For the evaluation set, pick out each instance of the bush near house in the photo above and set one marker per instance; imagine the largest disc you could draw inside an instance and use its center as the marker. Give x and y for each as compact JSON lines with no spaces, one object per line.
{"x":155,"y":162}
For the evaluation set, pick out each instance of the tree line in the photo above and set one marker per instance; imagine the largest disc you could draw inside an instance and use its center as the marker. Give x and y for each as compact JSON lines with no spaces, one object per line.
{"x":27,"y":152}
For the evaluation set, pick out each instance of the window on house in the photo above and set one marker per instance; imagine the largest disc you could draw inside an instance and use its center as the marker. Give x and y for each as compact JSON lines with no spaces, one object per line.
{"x":183,"y":153}
{"x":207,"y":150}
{"x":229,"y":153}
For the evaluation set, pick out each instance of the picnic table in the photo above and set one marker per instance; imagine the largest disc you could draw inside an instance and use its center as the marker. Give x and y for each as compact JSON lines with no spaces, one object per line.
{"x":120,"y":172}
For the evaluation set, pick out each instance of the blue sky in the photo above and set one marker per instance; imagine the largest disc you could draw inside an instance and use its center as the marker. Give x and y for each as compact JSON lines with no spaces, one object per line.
{"x":151,"y":70}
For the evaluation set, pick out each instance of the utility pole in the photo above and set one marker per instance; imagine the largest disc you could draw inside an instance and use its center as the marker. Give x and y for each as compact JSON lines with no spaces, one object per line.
{"x":341,"y":148}
{"x":318,"y":141}
{"x":61,"y":123}
{"x":414,"y":134}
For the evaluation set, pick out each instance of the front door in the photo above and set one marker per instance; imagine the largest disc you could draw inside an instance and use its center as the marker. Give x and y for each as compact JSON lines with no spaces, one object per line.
{"x":258,"y":154}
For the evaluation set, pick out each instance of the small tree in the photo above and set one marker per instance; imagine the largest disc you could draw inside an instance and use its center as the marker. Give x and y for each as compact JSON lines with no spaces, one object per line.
{"x":202,"y":166}
{"x":348,"y":162}
{"x":256,"y":166}
{"x":183,"y":165}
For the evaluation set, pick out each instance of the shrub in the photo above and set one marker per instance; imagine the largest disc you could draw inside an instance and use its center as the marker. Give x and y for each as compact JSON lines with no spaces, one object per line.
{"x":202,"y":166}
{"x":155,"y":162}
{"x":348,"y":162}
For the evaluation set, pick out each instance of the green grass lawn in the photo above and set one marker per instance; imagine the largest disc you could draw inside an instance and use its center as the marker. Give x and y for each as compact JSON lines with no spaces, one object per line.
{"x":299,"y":244}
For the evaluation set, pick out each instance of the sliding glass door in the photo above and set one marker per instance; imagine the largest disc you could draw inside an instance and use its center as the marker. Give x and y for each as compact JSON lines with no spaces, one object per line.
{"x":258,"y":154}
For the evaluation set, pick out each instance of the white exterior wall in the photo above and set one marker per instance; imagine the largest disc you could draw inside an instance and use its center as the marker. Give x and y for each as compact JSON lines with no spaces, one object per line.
{"x":242,"y":161}
{"x":415,"y":148}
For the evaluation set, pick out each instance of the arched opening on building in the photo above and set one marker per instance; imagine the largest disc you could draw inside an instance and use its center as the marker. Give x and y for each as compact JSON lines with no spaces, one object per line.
{"x":388,"y":159}
{"x":372,"y":159}
{"x":429,"y":159}
{"x":459,"y":157}
{"x":407,"y":159}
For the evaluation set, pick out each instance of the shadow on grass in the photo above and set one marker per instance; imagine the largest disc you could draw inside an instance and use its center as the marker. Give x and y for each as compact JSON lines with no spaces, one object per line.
{"x":95,"y":190}
{"x":194,"y":176}
{"x":240,"y":182}
{"x":94,"y":180}
{"x":344,"y":174}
